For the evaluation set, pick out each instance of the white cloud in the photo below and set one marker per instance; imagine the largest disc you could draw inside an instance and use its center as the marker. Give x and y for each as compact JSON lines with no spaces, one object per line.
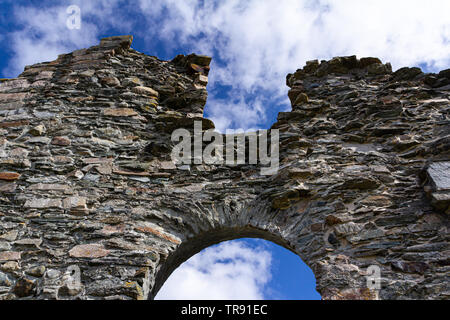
{"x":44,"y":36}
{"x":229,"y":271}
{"x":44,"y":33}
{"x":248,"y":115}
{"x":259,"y":42}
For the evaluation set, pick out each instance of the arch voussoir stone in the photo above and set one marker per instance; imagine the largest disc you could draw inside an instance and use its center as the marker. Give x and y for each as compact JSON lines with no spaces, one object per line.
{"x":92,"y":205}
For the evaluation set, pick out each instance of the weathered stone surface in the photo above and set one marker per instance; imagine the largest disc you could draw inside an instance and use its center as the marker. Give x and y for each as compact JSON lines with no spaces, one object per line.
{"x":10,"y":266}
{"x":378,"y":201}
{"x":10,"y":235}
{"x":9,"y":255}
{"x":111,"y":81}
{"x":158,"y":233}
{"x":28,"y":242}
{"x":348,"y":228}
{"x":438,"y":188}
{"x":87,"y":179}
{"x":36,"y":271}
{"x":14,"y":124}
{"x":4,"y":246}
{"x":24,"y":287}
{"x":119,"y":112}
{"x":407,"y":73}
{"x":146,"y":91}
{"x":361,"y":182}
{"x":439,"y":173}
{"x":88,"y":251}
{"x":43,"y":203}
{"x":74,"y":202}
{"x":76,"y":205}
{"x":39,"y":140}
{"x":117,"y":42}
{"x":61,"y":141}
{"x":9,"y":176}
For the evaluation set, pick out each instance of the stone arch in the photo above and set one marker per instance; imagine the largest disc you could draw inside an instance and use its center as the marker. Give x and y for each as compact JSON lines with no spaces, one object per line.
{"x":338,"y":276}
{"x":362,"y":179}
{"x":193,"y":246}
{"x":184,"y":253}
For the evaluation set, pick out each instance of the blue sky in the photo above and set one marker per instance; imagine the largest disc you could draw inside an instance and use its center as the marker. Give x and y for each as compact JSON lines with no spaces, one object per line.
{"x":254,"y":44}
{"x":242,"y":269}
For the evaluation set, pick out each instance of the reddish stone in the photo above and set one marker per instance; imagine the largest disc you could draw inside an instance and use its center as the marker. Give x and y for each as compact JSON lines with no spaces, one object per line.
{"x":97,"y":160}
{"x":377,"y":200}
{"x":158,"y":233}
{"x":332,"y":220}
{"x":61,"y":141}
{"x":88,"y":251}
{"x":111,"y":81}
{"x":9,"y":176}
{"x":107,"y":230}
{"x":146,"y":91}
{"x":120,"y":112}
{"x":104,"y":168}
{"x":349,"y":294}
{"x":12,"y":124}
{"x":386,"y":100}
{"x":302,"y":206}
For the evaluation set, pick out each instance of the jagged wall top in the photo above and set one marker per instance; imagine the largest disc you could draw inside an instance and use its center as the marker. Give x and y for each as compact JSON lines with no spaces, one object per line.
{"x":366,"y":67}
{"x":340,"y":65}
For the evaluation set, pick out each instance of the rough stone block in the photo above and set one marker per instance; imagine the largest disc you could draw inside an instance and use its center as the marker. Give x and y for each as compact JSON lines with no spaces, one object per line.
{"x":439,"y":174}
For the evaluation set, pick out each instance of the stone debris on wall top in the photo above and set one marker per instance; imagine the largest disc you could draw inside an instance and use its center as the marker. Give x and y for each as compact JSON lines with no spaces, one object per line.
{"x":87,"y":182}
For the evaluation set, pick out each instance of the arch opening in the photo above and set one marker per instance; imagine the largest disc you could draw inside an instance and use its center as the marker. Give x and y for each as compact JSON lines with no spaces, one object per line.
{"x":248,"y":263}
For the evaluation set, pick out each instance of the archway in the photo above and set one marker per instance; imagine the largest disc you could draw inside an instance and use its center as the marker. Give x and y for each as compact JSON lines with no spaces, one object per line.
{"x":217,"y":237}
{"x":241,"y":269}
{"x":359,"y":194}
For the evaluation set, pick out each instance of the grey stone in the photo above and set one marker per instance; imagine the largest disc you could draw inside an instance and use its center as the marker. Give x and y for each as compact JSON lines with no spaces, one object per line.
{"x":439,"y":173}
{"x":43,"y":203}
{"x":36,"y":271}
{"x":5,"y":280}
{"x":43,"y":140}
{"x":4,"y":246}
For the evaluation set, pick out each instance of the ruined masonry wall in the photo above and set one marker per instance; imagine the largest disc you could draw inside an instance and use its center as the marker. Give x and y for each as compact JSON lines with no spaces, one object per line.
{"x":87,"y":188}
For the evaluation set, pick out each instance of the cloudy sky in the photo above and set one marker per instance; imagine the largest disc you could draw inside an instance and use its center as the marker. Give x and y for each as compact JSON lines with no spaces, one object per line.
{"x":217,"y":270}
{"x":254,"y":44}
{"x":249,"y":269}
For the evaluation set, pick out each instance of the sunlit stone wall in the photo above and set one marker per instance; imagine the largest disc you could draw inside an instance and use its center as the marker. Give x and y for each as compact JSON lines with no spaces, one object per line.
{"x":93,"y":207}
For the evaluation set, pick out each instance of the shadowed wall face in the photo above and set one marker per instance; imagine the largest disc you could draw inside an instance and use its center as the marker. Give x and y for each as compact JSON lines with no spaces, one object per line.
{"x":92,"y":207}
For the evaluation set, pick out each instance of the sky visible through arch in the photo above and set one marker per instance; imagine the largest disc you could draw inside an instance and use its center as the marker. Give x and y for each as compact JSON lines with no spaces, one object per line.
{"x":254,"y":44}
{"x":246,"y":268}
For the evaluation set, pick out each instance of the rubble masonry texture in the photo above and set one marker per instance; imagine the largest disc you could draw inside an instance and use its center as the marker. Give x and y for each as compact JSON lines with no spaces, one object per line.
{"x":86,"y":177}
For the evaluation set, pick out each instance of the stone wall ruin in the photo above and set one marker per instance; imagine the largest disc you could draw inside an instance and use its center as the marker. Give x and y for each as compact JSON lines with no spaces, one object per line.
{"x":87,"y":188}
